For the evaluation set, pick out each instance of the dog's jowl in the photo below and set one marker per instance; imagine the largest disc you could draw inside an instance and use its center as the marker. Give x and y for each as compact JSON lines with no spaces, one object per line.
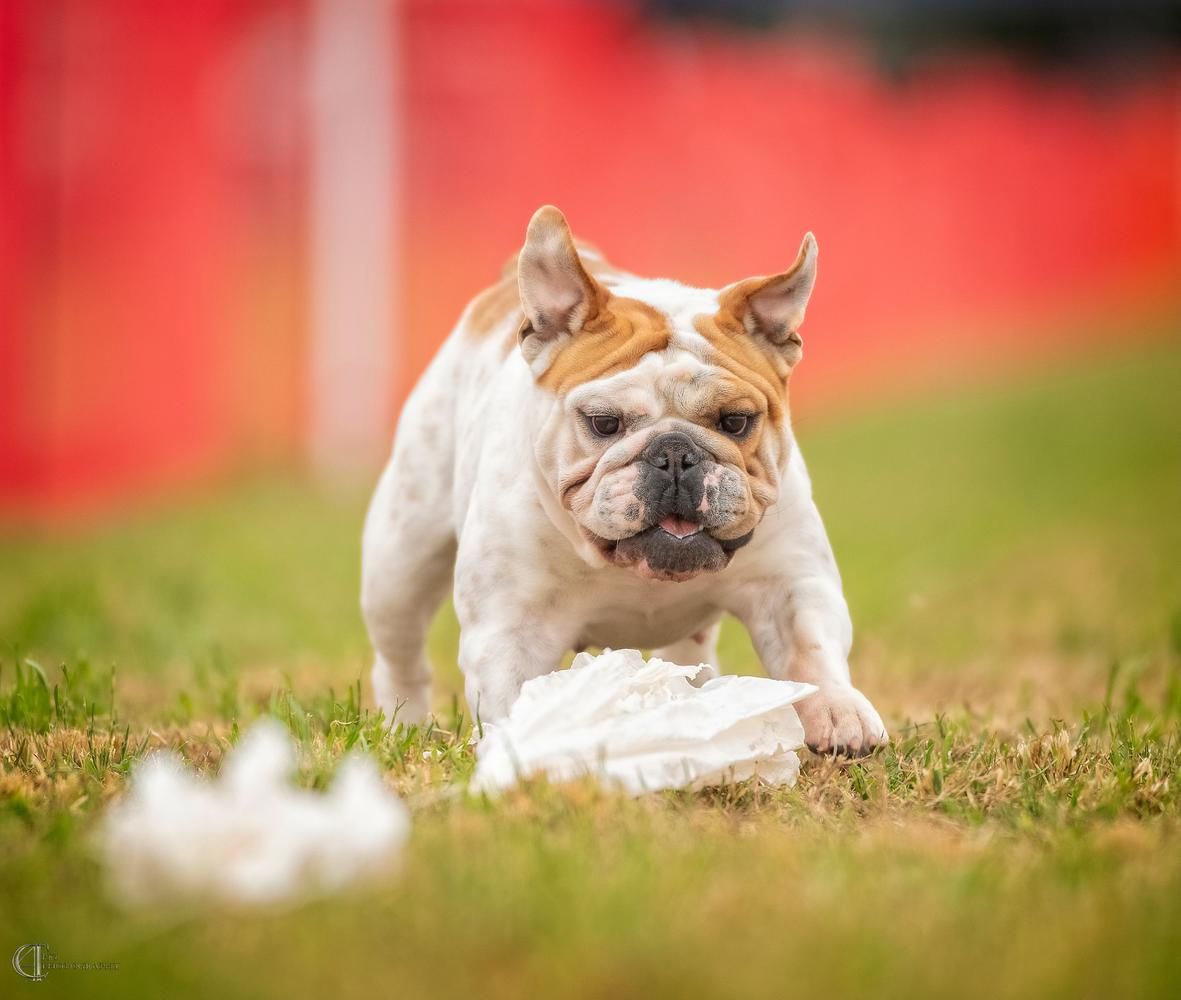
{"x":598,"y":459}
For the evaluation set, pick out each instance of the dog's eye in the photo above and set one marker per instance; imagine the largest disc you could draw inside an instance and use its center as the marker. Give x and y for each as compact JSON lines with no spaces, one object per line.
{"x":734,"y":424}
{"x":604,"y":426}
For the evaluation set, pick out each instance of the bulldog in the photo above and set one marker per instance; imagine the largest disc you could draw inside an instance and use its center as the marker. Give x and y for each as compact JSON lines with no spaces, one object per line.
{"x":599,"y":459}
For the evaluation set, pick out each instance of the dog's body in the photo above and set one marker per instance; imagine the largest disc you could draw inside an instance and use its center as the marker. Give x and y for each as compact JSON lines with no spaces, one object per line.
{"x":602,"y":460}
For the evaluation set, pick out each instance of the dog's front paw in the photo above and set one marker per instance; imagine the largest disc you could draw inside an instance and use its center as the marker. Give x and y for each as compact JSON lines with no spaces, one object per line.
{"x":838,"y":719}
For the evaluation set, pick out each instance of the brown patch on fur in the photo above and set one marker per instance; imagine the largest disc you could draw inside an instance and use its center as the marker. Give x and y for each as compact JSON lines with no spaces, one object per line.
{"x":774,"y":307}
{"x":733,"y":349}
{"x":761,"y":372}
{"x":494,"y":305}
{"x":612,"y":340}
{"x":497,"y":303}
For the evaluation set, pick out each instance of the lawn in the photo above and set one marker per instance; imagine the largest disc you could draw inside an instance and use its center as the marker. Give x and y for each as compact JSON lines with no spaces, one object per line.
{"x":1012,"y":558}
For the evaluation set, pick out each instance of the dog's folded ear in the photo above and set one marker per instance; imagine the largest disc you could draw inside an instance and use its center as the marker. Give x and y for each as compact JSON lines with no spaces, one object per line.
{"x":773,"y":308}
{"x":557,"y":294}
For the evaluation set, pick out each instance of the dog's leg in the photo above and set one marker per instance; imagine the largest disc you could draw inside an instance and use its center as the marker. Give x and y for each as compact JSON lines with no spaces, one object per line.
{"x":802,"y":632}
{"x":700,"y":647}
{"x":514,"y":624}
{"x":408,"y":553}
{"x":497,"y":661}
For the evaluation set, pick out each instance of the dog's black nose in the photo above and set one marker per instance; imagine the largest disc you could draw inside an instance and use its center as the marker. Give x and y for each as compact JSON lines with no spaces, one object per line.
{"x":673,"y":452}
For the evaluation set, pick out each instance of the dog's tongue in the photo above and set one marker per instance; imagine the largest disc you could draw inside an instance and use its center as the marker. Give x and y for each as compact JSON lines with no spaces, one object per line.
{"x":679,"y":527}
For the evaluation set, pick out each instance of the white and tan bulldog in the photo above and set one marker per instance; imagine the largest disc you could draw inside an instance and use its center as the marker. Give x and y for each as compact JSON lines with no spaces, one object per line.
{"x":598,"y":459}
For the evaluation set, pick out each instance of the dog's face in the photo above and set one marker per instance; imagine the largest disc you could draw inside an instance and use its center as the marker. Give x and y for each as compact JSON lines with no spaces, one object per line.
{"x":665,"y":426}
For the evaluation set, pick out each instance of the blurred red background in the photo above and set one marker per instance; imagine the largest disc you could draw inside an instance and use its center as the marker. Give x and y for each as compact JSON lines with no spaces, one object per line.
{"x":167,"y":279}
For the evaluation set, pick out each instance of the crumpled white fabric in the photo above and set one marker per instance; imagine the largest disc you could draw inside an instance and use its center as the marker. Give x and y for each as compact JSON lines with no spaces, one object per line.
{"x":250,"y":836}
{"x":643,"y":726}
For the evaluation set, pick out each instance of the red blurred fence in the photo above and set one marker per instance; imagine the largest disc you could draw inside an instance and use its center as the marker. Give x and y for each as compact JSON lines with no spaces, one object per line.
{"x":153,"y":236}
{"x":151,"y":270}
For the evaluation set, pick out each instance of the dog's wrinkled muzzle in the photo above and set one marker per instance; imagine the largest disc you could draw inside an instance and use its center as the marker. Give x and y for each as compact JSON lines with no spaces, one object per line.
{"x":676,"y":544}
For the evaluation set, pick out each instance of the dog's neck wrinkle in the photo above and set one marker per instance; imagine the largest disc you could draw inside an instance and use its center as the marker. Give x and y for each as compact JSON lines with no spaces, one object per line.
{"x":563,"y":520}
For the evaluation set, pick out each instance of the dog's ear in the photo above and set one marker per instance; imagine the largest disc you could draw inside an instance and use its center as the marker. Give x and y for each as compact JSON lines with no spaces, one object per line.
{"x":773,"y":308}
{"x":557,"y":294}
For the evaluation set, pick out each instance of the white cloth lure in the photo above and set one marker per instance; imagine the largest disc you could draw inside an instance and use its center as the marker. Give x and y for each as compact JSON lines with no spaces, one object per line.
{"x":644,"y":726}
{"x":250,"y":836}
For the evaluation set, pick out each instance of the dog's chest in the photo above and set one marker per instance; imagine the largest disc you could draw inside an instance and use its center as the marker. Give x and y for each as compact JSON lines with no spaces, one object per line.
{"x":645,"y":616}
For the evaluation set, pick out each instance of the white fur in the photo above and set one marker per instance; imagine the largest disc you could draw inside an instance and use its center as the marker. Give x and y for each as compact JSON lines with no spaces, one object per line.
{"x":468,"y":488}
{"x":680,"y":303}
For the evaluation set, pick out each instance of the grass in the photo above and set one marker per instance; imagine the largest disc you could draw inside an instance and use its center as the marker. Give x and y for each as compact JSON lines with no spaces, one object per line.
{"x":1012,"y":558}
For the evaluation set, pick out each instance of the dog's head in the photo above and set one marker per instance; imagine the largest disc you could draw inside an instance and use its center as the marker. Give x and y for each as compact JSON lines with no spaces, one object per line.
{"x":665,"y":427}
